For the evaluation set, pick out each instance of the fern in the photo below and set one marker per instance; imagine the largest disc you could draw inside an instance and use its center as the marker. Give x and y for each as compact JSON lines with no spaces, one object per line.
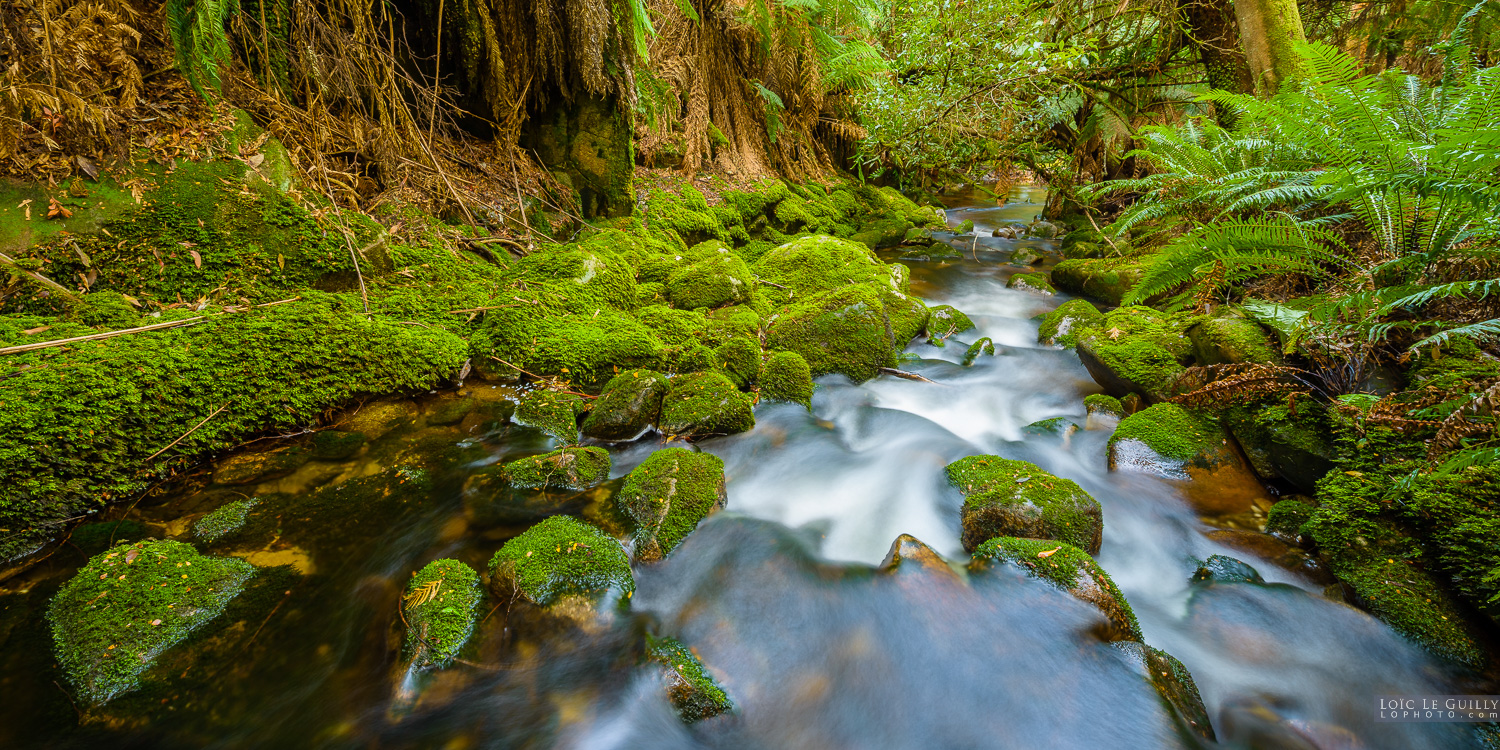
{"x":199,"y":39}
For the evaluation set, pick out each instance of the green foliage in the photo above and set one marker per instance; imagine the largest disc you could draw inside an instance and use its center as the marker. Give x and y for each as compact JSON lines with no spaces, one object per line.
{"x":199,"y":38}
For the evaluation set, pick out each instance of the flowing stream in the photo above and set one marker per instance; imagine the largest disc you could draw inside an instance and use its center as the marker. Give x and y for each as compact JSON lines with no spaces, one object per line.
{"x":778,"y":597}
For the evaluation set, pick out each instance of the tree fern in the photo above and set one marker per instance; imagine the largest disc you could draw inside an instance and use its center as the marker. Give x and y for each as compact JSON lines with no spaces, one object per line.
{"x":199,"y":39}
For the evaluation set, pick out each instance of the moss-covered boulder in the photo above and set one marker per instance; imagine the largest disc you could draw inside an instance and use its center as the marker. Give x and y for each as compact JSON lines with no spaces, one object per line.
{"x":1036,"y":283}
{"x":944,"y":321}
{"x":1103,"y":406}
{"x":630,"y":403}
{"x":1135,"y":350}
{"x":129,"y":604}
{"x":739,"y":360}
{"x":982,"y":346}
{"x":1174,"y":684}
{"x":882,"y":233}
{"x":551,"y":412}
{"x":586,"y":348}
{"x":718,"y":279}
{"x":559,"y":557}
{"x":440,"y":607}
{"x":667,"y":495}
{"x":1286,"y":517}
{"x":563,"y":469}
{"x":1066,"y":567}
{"x":1004,"y":497}
{"x":1292,"y":443}
{"x":1063,"y":326}
{"x":787,"y":377}
{"x":691,"y":690}
{"x":705,"y":404}
{"x":1165,"y":439}
{"x":224,"y":520}
{"x":815,"y":264}
{"x":1233,"y":340}
{"x":847,"y":330}
{"x":1104,"y":279}
{"x":1052,"y":427}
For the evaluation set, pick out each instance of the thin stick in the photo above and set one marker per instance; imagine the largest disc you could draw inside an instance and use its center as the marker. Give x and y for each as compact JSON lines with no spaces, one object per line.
{"x":189,"y":432}
{"x":111,"y":334}
{"x":1111,"y":242}
{"x":437,"y":76}
{"x":40,"y":279}
{"x":907,"y":375}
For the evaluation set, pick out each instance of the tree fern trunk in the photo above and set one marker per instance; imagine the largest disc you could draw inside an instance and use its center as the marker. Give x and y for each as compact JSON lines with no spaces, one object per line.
{"x":1269,"y":33}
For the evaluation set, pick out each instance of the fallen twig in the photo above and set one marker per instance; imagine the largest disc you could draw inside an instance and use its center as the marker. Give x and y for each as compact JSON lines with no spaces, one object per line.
{"x":772,"y":283}
{"x":189,"y":432}
{"x":907,"y":375}
{"x":40,"y":279}
{"x":111,"y":334}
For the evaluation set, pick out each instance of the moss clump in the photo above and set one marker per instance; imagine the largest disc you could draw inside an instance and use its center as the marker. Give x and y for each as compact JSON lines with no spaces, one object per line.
{"x":705,"y":404}
{"x":1135,"y":350}
{"x":982,"y":346}
{"x":1035,"y":283}
{"x":1286,"y":517}
{"x":817,"y":263}
{"x":586,"y":348}
{"x":1066,"y":567}
{"x":560,"y":556}
{"x":668,"y":494}
{"x":1052,"y":427}
{"x":440,"y":606}
{"x":127,"y":605}
{"x":692,"y":691}
{"x":551,"y":412}
{"x":1071,"y":319}
{"x":630,"y":403}
{"x":787,"y":377}
{"x":1233,"y":340}
{"x":718,"y":280}
{"x":1104,"y":279}
{"x":845,"y":330}
{"x":1170,"y":432}
{"x":270,"y":368}
{"x":1003,"y":497}
{"x":227,"y":519}
{"x":945,"y":321}
{"x":739,"y":360}
{"x":881,"y":233}
{"x":564,"y":468}
{"x":1103,"y":404}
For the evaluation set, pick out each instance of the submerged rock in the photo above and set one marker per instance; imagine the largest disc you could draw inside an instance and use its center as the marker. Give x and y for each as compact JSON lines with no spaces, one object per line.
{"x":564,"y":468}
{"x":1054,"y":427}
{"x":1004,"y":497}
{"x":1225,"y":569}
{"x":704,"y":404}
{"x":630,"y":403}
{"x":450,"y":410}
{"x":124,"y":608}
{"x":910,"y":558}
{"x":551,"y":412}
{"x":377,"y":420}
{"x":227,"y":519}
{"x":440,"y":607}
{"x":245,"y":468}
{"x":787,"y":377}
{"x":1174,"y":684}
{"x":691,"y":690}
{"x":336,"y":445}
{"x":667,"y":495}
{"x":560,"y":557}
{"x":1067,"y":568}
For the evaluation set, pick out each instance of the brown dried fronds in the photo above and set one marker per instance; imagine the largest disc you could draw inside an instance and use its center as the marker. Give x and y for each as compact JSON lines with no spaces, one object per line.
{"x":1462,"y":422}
{"x":1219,"y":385}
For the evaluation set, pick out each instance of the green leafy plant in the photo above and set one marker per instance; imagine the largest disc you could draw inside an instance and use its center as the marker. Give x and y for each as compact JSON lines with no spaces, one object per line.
{"x":198,"y":36}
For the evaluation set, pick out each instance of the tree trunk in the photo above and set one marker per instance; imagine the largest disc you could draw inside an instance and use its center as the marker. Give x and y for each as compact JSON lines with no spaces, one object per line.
{"x":1269,"y":33}
{"x":1216,"y":34}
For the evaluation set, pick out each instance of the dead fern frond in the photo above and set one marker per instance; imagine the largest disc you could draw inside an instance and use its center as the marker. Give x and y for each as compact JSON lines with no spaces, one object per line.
{"x":1462,"y":423}
{"x":1218,"y":385}
{"x":423,"y":594}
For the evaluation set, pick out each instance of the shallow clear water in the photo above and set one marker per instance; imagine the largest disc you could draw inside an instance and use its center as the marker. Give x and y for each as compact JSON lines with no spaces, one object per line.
{"x":779,"y":598}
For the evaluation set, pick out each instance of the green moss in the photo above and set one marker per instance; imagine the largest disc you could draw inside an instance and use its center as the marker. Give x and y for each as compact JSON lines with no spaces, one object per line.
{"x":818,"y":263}
{"x":551,"y":412}
{"x":587,"y":349}
{"x":691,"y":690}
{"x":667,"y":495}
{"x":564,"y":468}
{"x":881,"y":233}
{"x":560,"y":556}
{"x":336,"y":445}
{"x":846,"y":330}
{"x":113,"y":619}
{"x":1136,"y":349}
{"x":1031,"y":282}
{"x":685,"y":215}
{"x":740,"y":321}
{"x":1104,"y":279}
{"x":1053,"y":427}
{"x":1287,"y":516}
{"x":93,"y":538}
{"x":1004,"y":497}
{"x":944,"y":321}
{"x":1233,"y":340}
{"x":1172,"y":432}
{"x":227,"y":519}
{"x":630,"y":403}
{"x":1065,"y":567}
{"x":712,"y":282}
{"x":1100,"y":403}
{"x":1071,"y":319}
{"x":441,"y":605}
{"x":77,"y":424}
{"x":752,"y":203}
{"x":982,"y":346}
{"x":787,"y":377}
{"x":739,"y":359}
{"x":705,"y":404}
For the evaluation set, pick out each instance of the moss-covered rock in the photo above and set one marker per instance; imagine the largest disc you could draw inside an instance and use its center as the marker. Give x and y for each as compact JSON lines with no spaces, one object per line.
{"x":1164,"y":439}
{"x":557,"y":557}
{"x":450,"y":410}
{"x":1233,"y":340}
{"x":564,"y":469}
{"x":336,"y":445}
{"x":667,"y":495}
{"x":705,"y":404}
{"x":1174,"y":684}
{"x":223,"y":521}
{"x":113,"y":619}
{"x":881,"y":233}
{"x":551,"y":412}
{"x":691,"y":690}
{"x":1063,"y":326}
{"x":440,"y":607}
{"x":586,"y":348}
{"x":1004,"y":497}
{"x":1294,"y":444}
{"x":1225,"y":569}
{"x":848,"y":330}
{"x":1104,"y":279}
{"x":982,"y":346}
{"x":1053,"y":427}
{"x":718,"y":279}
{"x":244,"y":468}
{"x":630,"y":403}
{"x":739,"y":360}
{"x":1286,"y":517}
{"x":815,"y":264}
{"x":1066,"y":567}
{"x":944,"y":321}
{"x":787,"y":377}
{"x":1103,"y":405}
{"x":1135,"y":350}
{"x":1036,"y":283}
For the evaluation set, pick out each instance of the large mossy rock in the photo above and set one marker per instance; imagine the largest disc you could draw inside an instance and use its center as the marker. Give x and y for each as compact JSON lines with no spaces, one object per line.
{"x":1065,"y":567}
{"x":561,"y":557}
{"x":1174,"y":684}
{"x":1104,"y":279}
{"x":1071,"y":319}
{"x":787,"y":377}
{"x":693,"y":693}
{"x":129,"y":604}
{"x":1004,"y":497}
{"x":739,"y":360}
{"x":440,"y":607}
{"x":818,"y":263}
{"x":563,"y":469}
{"x":667,"y":495}
{"x":715,"y":278}
{"x":1036,"y":283}
{"x":630,"y":403}
{"x":1135,"y":350}
{"x":1294,"y":445}
{"x":851,"y":330}
{"x":1165,"y":439}
{"x":704,"y":404}
{"x":1233,"y":340}
{"x":551,"y":412}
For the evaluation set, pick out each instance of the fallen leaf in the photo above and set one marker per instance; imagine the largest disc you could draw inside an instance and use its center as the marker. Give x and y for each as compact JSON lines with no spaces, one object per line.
{"x":280,"y":262}
{"x":1049,"y":552}
{"x":156,"y":622}
{"x":197,"y":259}
{"x":56,"y":210}
{"x":87,"y":165}
{"x":255,"y":160}
{"x":1114,"y":333}
{"x":38,"y":329}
